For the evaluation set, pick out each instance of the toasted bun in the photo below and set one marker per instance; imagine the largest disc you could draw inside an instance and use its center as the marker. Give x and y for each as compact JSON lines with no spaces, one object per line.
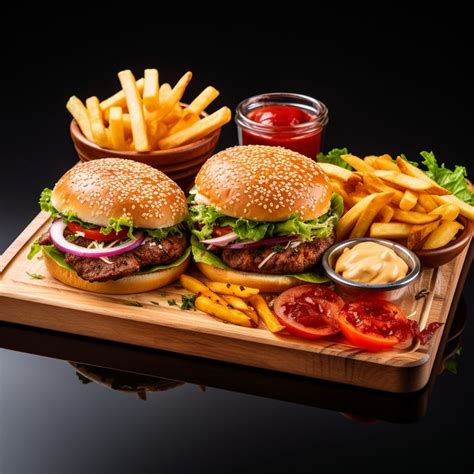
{"x":98,"y":190}
{"x":264,"y":183}
{"x":265,"y":283}
{"x":132,"y":284}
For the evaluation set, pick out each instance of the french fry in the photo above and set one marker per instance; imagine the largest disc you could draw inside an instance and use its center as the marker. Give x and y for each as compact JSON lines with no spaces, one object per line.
{"x":96,"y":122}
{"x":78,"y":110}
{"x":448,"y":212}
{"x":202,"y":101}
{"x":385,"y":162}
{"x":151,"y":89}
{"x":117,"y":132}
{"x":265,"y":313}
{"x":418,"y":234}
{"x":442,"y":235}
{"x":428,"y":202}
{"x":171,"y":99}
{"x":185,"y":121}
{"x":376,"y":185}
{"x":174,"y":116}
{"x":195,"y":286}
{"x":418,"y":207}
{"x":241,"y":305}
{"x":349,"y":219}
{"x":199,"y":130}
{"x":165,"y":90}
{"x":370,"y":160}
{"x":135,"y":108}
{"x":385,"y":214}
{"x":408,"y":201}
{"x":118,"y":99}
{"x":357,"y":163}
{"x":366,"y":218}
{"x":415,"y":172}
{"x":410,"y":182}
{"x":339,"y":188}
{"x":411,"y":217}
{"x":465,"y":209}
{"x":391,"y":230}
{"x":235,"y":290}
{"x":336,"y":172}
{"x":206,"y":305}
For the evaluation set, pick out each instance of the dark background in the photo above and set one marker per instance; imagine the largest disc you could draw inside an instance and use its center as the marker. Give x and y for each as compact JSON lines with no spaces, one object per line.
{"x":387,"y":93}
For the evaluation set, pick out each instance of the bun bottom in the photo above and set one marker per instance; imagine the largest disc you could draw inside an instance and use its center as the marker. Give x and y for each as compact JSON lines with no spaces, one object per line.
{"x":139,"y":283}
{"x":264,"y":282}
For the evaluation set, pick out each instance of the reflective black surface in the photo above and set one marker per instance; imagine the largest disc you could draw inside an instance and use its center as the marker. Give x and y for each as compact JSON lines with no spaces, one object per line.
{"x":389,"y":93}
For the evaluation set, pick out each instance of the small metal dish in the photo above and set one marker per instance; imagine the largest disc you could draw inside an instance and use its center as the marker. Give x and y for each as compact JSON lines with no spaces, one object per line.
{"x":388,"y":291}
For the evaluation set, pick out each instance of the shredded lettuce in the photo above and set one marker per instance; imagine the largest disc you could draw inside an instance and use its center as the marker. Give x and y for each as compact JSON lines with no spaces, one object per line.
{"x":452,"y":180}
{"x":334,"y":157}
{"x":116,"y":224}
{"x":206,"y":217}
{"x":200,"y":254}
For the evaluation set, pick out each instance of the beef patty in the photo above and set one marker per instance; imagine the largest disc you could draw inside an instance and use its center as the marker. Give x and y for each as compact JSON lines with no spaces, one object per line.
{"x":151,"y":252}
{"x":294,"y":259}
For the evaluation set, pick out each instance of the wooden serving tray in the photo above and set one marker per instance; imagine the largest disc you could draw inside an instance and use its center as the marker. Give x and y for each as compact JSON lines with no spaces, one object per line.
{"x":49,"y":304}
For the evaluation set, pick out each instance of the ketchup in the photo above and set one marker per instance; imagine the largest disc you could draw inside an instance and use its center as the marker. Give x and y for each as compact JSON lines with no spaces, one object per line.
{"x":279,"y":120}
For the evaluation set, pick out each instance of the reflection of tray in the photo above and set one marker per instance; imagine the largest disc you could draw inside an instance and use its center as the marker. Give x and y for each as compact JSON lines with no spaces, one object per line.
{"x":49,"y":304}
{"x":171,"y":369}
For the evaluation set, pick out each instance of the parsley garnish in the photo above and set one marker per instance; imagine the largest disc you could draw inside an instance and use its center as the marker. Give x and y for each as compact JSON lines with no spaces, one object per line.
{"x":155,"y":302}
{"x":187,"y":302}
{"x":172,"y":302}
{"x":35,"y":276}
{"x":134,"y":303}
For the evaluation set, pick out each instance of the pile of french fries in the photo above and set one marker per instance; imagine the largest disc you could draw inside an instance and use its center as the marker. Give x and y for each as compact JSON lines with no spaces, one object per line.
{"x":146,"y":116}
{"x":235,"y":304}
{"x":392,"y":199}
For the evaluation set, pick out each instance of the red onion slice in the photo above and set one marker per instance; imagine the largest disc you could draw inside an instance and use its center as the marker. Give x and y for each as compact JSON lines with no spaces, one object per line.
{"x":56,"y":233}
{"x":221,"y":241}
{"x":263,"y":242}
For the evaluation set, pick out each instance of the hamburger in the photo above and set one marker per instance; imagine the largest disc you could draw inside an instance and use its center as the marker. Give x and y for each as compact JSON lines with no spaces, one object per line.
{"x":117,"y":228}
{"x":262,"y":216}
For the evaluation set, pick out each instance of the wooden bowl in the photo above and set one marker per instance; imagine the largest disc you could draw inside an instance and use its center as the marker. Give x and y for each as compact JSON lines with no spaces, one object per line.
{"x":181,"y":164}
{"x":437,"y":257}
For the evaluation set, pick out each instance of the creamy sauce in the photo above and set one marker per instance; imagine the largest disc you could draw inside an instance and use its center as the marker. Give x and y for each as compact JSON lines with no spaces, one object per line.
{"x":372,"y":263}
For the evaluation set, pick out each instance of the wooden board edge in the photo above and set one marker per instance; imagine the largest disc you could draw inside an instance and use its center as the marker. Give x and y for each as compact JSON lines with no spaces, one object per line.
{"x":17,"y":245}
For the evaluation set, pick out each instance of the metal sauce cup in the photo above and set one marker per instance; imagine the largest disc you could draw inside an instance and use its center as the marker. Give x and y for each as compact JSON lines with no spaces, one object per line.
{"x":387,"y":291}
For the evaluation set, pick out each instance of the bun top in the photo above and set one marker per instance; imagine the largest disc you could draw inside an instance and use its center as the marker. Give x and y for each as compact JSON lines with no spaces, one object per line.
{"x":264,"y":183}
{"x":98,"y":190}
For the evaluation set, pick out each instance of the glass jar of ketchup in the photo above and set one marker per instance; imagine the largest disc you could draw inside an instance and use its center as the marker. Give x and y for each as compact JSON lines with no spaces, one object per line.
{"x":292,"y":121}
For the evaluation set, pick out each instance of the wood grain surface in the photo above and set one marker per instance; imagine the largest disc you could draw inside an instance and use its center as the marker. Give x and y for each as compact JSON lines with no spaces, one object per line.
{"x":47,"y":303}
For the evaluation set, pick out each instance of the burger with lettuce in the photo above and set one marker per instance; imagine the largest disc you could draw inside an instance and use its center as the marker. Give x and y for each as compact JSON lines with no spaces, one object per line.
{"x":262,"y":216}
{"x":117,"y":228}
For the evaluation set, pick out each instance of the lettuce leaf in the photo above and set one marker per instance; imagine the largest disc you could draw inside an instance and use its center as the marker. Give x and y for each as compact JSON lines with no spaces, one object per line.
{"x":206,"y":217}
{"x":452,"y":180}
{"x":200,"y":254}
{"x":57,"y":256}
{"x":414,"y":163}
{"x":334,"y":157}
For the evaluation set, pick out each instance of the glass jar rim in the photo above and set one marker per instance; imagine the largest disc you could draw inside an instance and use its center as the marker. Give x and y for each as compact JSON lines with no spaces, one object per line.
{"x":316,"y":123}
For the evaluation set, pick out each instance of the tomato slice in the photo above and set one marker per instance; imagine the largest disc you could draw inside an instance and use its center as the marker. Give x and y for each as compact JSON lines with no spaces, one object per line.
{"x":94,"y":234}
{"x":309,"y":311}
{"x":374,"y":325}
{"x":218,"y":231}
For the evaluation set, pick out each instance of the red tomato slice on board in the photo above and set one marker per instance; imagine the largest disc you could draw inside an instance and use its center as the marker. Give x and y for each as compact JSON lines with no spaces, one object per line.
{"x":309,"y":311}
{"x":220,"y":231}
{"x":94,"y":234}
{"x":374,"y":325}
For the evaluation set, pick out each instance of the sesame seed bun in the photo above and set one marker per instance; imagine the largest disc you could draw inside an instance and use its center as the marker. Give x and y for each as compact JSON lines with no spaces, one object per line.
{"x":264,"y":282}
{"x":98,"y":190}
{"x":138,"y":283}
{"x":264,"y":183}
